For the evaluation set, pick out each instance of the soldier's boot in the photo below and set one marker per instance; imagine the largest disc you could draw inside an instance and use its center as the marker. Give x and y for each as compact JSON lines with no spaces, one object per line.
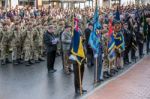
{"x":3,"y":62}
{"x":8,"y":61}
{"x":15,"y":62}
{"x":27,"y":63}
{"x":20,"y":61}
{"x":109,"y":74}
{"x":37,"y":61}
{"x":66,"y":70}
{"x":71,"y":70}
{"x":31,"y":61}
{"x":41,"y":59}
{"x":106,"y":75}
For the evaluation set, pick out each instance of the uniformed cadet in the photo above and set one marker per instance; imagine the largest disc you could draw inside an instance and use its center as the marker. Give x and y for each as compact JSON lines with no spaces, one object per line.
{"x":15,"y":44}
{"x":128,"y":45}
{"x":119,"y":43}
{"x":5,"y":42}
{"x":148,"y":35}
{"x":41,"y":44}
{"x":89,"y":51}
{"x":28,"y":45}
{"x":38,"y":43}
{"x":105,"y":40}
{"x":66,"y":43}
{"x":141,"y":42}
{"x":1,"y":36}
{"x":131,"y":29}
{"x":78,"y":77}
{"x":35,"y":44}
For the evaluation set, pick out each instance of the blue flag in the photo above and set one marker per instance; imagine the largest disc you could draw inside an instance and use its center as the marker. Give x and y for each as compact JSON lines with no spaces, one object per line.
{"x":111,"y":48}
{"x":94,"y":40}
{"x":117,"y":17}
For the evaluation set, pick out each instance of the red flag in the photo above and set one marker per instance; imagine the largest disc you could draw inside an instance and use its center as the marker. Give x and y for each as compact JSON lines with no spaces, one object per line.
{"x":76,"y":23}
{"x":110,"y":28}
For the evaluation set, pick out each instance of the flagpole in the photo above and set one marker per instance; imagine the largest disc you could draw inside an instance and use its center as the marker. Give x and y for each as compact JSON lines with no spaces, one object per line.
{"x":96,"y":70}
{"x":97,"y":56}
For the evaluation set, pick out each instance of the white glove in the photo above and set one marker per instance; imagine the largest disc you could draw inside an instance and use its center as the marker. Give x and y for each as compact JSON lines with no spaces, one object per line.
{"x":95,"y":55}
{"x":54,"y":41}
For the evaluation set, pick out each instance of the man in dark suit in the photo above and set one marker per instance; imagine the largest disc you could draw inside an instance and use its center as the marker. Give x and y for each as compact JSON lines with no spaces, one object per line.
{"x":90,"y":57}
{"x":128,"y":40}
{"x":50,"y":42}
{"x":148,"y":37}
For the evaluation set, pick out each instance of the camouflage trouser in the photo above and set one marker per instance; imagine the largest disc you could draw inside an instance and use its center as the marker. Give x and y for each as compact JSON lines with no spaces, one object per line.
{"x":119,"y":60}
{"x":28,"y":53}
{"x":16,"y":52}
{"x":38,"y":50}
{"x":4,"y":52}
{"x":111,"y":65}
{"x":67,"y":65}
{"x":105,"y":63}
{"x":59,"y":48}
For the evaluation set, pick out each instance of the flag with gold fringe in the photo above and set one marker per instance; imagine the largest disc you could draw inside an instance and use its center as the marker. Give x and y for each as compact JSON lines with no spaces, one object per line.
{"x":77,"y":49}
{"x":111,"y":43}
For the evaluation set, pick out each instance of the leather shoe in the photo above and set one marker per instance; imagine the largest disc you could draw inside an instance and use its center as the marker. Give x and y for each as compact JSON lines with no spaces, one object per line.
{"x":78,"y":91}
{"x":37,"y":61}
{"x":52,"y":71}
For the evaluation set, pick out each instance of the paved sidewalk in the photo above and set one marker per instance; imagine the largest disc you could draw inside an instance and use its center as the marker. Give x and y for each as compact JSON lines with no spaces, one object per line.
{"x":134,"y":84}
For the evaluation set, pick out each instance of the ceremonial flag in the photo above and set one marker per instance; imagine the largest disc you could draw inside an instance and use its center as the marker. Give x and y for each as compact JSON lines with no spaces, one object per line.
{"x":111,"y":48}
{"x":137,"y":14}
{"x":117,"y":17}
{"x":94,"y":40}
{"x":110,"y":28}
{"x":111,"y":43}
{"x":77,"y":51}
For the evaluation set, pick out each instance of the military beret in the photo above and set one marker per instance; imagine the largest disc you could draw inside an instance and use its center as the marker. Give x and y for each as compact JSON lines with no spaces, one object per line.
{"x":116,"y":21}
{"x":67,"y":26}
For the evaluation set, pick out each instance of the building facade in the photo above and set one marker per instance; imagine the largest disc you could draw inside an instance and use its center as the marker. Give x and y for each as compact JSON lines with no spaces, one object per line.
{"x":68,"y":3}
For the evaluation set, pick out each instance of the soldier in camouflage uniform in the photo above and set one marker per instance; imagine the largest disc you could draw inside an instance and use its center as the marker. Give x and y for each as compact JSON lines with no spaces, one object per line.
{"x":1,"y":36}
{"x":105,"y":40}
{"x":5,"y":45}
{"x":28,"y":45}
{"x":38,"y":43}
{"x":66,"y":43}
{"x":15,"y":44}
{"x":59,"y":31}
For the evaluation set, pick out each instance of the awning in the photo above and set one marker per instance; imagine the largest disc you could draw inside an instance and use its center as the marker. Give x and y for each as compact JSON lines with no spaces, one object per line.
{"x":81,"y":1}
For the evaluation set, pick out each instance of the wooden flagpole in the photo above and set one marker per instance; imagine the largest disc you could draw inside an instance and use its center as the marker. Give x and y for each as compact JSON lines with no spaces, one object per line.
{"x":96,"y":70}
{"x":96,"y":57}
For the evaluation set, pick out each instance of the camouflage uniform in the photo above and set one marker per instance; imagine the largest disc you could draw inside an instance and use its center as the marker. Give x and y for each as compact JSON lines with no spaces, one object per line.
{"x":66,"y":42}
{"x":1,"y":36}
{"x":15,"y":45}
{"x":5,"y":47}
{"x":58,"y":31}
{"x":105,"y":52}
{"x":28,"y":45}
{"x":38,"y":43}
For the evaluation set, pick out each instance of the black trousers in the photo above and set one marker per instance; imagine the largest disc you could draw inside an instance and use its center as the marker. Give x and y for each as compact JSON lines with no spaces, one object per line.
{"x":90,"y":57}
{"x":133,"y":53}
{"x":148,"y":42}
{"x":51,"y":60}
{"x":126,"y":54}
{"x":76,"y":75}
{"x":140,"y":46}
